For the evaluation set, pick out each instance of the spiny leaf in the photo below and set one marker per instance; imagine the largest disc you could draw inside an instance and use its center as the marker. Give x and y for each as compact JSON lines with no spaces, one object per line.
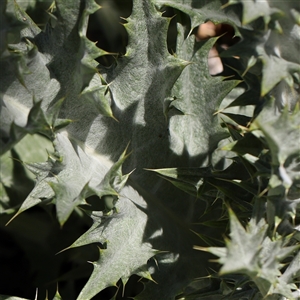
{"x":185,"y":178}
{"x":66,"y":178}
{"x":253,"y":10}
{"x":261,"y":265}
{"x":281,"y":132}
{"x":200,"y":11}
{"x":276,"y":69}
{"x":46,"y":50}
{"x":192,"y":96}
{"x":10,"y":27}
{"x":117,"y":260}
{"x":97,"y":94}
{"x":293,"y":270}
{"x":151,"y":214}
{"x":38,"y":121}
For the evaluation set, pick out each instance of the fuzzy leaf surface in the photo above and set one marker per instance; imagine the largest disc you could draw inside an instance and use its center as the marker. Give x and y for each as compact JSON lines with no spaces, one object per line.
{"x":162,"y":104}
{"x":262,"y":264}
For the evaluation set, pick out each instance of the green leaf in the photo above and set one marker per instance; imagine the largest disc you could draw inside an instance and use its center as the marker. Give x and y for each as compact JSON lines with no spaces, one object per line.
{"x":281,"y":132}
{"x":276,"y":69}
{"x":293,"y":270}
{"x":14,"y":172}
{"x":200,"y":11}
{"x":262,"y":262}
{"x":277,"y":48}
{"x":253,"y":10}
{"x":125,"y":251}
{"x":186,"y":178}
{"x":10,"y":27}
{"x":97,"y":94}
{"x":168,"y":109}
{"x":192,"y":95}
{"x":3,"y":297}
{"x":51,"y":63}
{"x":57,"y":296}
{"x":72,"y":178}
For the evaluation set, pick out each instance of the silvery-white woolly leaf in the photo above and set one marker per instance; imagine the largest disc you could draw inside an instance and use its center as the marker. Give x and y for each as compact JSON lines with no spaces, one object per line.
{"x":138,"y":106}
{"x":277,"y":47}
{"x":253,"y":10}
{"x":41,"y":50}
{"x":98,"y":94}
{"x":49,"y":68}
{"x":293,"y":270}
{"x":17,"y":101}
{"x":137,"y":85}
{"x":150,"y":214}
{"x":197,"y":130}
{"x":281,"y":132}
{"x":200,"y":11}
{"x":74,"y":175}
{"x":275,"y":70}
{"x":37,"y":122}
{"x":3,"y":297}
{"x":29,"y":4}
{"x":14,"y":171}
{"x":259,"y":257}
{"x":116,"y":260}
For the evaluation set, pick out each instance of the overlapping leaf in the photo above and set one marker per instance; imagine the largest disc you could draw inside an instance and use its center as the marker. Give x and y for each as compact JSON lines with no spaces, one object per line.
{"x":117,"y":260}
{"x":164,"y":106}
{"x":277,"y":48}
{"x":253,"y":10}
{"x":263,"y":263}
{"x":73,"y":176}
{"x":281,"y":132}
{"x":48,"y":64}
{"x":139,"y":105}
{"x":13,"y":171}
{"x":201,"y":11}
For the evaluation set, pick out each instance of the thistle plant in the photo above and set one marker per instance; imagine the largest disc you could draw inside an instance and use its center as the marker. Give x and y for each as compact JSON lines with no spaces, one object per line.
{"x":171,"y":172}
